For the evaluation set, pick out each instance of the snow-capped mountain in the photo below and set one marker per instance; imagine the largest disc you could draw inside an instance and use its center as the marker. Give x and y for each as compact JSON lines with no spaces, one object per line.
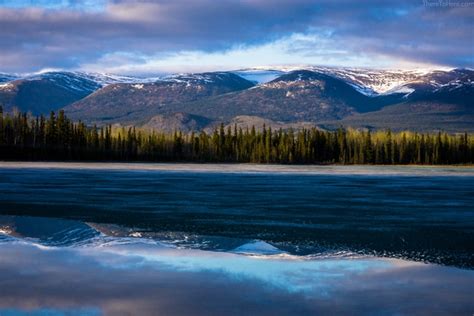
{"x":199,"y":78}
{"x":66,"y":80}
{"x":75,"y":78}
{"x":438,"y":81}
{"x":297,"y":96}
{"x":138,"y":102}
{"x":288,"y":95}
{"x":104,"y":79}
{"x":370,"y":82}
{"x":374,"y":82}
{"x":42,"y":93}
{"x":437,"y":100}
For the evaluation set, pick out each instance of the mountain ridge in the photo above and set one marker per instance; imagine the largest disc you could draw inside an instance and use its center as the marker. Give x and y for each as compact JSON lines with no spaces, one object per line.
{"x":319,"y":95}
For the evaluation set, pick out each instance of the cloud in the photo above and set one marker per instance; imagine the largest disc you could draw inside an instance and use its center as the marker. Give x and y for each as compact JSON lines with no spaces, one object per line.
{"x":98,"y":281}
{"x":296,"y":49}
{"x":67,"y":35}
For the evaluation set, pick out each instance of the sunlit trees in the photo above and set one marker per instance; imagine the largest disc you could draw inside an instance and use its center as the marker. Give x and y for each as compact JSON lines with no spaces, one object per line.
{"x":23,"y":137}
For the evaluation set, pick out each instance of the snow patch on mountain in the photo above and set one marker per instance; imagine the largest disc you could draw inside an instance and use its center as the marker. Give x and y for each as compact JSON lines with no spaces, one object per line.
{"x":370,"y":82}
{"x":187,"y":78}
{"x":107,"y":79}
{"x":100,"y":79}
{"x":400,"y":89}
{"x":201,"y":78}
{"x":68,"y":80}
{"x":373,"y":82}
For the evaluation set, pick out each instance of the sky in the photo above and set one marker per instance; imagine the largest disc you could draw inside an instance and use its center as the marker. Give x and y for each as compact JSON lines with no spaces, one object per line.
{"x":144,"y":37}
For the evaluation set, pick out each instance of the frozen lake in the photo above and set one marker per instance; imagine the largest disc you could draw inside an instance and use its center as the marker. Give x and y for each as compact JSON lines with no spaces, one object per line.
{"x":235,"y":239}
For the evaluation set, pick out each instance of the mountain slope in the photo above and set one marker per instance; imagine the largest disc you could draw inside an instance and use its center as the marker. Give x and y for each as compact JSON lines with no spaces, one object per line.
{"x":178,"y":122}
{"x":399,"y":99}
{"x":137,"y":103}
{"x":297,"y":96}
{"x":50,"y":91}
{"x":371,"y":82}
{"x":294,"y":97}
{"x":415,"y":116}
{"x":46,"y":92}
{"x":441,"y":100}
{"x":455,"y":86}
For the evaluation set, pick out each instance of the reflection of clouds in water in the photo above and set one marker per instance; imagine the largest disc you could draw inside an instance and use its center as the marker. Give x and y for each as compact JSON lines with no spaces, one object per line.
{"x":291,"y":273}
{"x":142,"y":280}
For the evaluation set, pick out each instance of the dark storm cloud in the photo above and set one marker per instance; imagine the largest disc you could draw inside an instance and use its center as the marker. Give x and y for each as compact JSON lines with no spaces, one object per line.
{"x":416,"y":31}
{"x":36,"y":37}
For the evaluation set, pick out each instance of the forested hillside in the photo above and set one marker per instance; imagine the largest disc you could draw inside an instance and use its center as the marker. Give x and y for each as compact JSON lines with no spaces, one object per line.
{"x":58,"y":138}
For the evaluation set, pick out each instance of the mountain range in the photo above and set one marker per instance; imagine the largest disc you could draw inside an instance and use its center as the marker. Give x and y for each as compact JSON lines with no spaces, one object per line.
{"x":325,"y":97}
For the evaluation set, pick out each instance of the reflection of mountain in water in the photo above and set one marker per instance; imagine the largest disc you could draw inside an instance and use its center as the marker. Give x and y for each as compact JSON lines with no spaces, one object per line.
{"x":48,"y":231}
{"x":176,"y":239}
{"x":259,"y":247}
{"x":70,"y":233}
{"x":59,"y":232}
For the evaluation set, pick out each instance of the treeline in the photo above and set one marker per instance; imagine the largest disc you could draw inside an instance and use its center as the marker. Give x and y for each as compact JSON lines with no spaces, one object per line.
{"x":58,"y":138}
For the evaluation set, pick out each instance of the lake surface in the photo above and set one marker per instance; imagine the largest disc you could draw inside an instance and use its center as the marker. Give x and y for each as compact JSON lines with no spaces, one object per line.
{"x":235,"y":239}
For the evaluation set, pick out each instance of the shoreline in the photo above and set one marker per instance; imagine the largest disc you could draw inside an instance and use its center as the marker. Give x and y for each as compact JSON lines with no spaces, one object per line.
{"x":462,"y":170}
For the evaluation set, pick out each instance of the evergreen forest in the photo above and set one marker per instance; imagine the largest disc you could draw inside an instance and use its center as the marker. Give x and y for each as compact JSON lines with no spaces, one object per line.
{"x":24,"y":137}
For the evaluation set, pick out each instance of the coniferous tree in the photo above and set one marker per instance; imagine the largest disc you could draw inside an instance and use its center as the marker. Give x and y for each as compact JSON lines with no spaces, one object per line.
{"x":58,"y":138}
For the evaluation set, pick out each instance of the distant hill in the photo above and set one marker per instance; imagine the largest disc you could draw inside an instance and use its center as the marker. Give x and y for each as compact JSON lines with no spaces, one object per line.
{"x":371,"y":82}
{"x":300,"y":95}
{"x":127,"y":103}
{"x":416,"y":116}
{"x":295,"y":98}
{"x":178,"y":122}
{"x":284,"y":97}
{"x":51,"y":91}
{"x":436,"y":101}
{"x":46,"y":92}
